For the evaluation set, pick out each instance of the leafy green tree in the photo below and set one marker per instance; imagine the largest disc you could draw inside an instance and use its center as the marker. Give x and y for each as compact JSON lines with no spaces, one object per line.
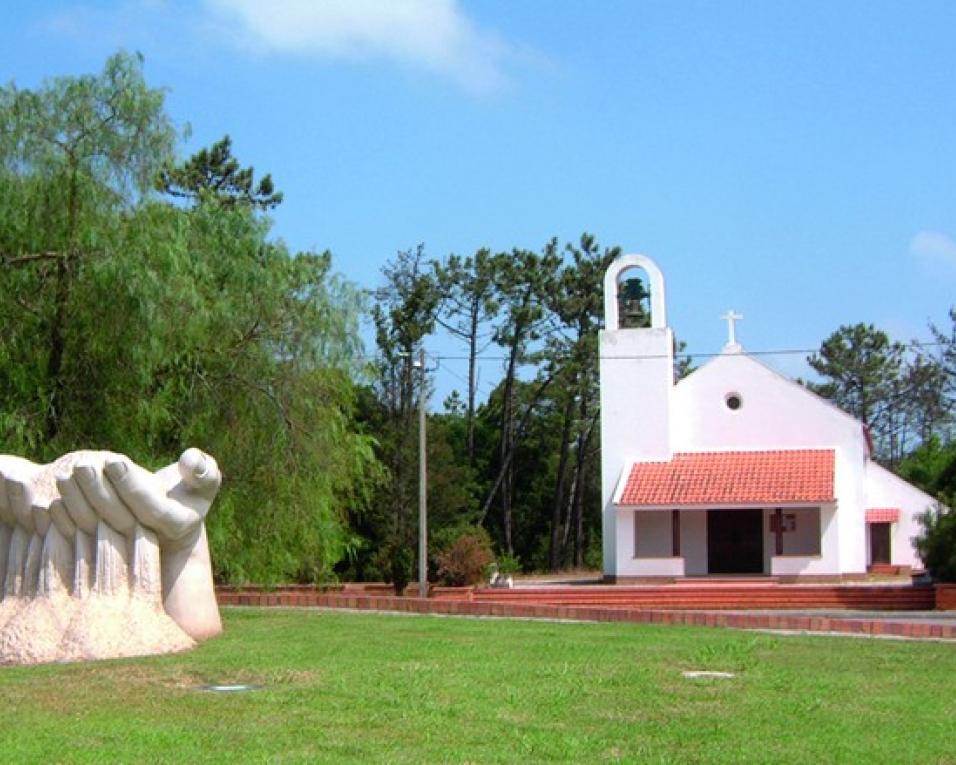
{"x":143,"y":327}
{"x":72,"y":154}
{"x":932,"y":467}
{"x":936,"y":543}
{"x":214,"y":173}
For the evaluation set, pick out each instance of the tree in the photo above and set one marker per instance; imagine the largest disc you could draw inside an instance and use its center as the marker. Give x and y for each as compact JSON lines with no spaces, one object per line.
{"x":71,"y":154}
{"x":862,"y":369}
{"x":467,"y":286}
{"x":404,"y":315}
{"x":902,"y":396}
{"x":214,"y":173}
{"x":577,"y":302}
{"x":143,"y":327}
{"x":522,"y":278}
{"x":936,"y":543}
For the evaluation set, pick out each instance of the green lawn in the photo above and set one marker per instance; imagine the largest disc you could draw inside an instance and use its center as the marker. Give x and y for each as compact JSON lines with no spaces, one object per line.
{"x":346,"y":687}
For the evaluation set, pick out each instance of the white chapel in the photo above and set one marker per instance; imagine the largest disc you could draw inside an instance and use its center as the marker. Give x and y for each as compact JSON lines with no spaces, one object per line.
{"x":734,"y":469}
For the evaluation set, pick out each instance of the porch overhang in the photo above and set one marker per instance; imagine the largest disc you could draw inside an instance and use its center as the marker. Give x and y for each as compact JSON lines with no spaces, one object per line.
{"x":723,"y":506}
{"x":730,"y":480}
{"x":882,"y":515}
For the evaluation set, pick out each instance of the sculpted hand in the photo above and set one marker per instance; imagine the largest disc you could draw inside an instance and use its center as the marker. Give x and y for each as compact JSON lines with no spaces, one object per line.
{"x":172,"y":502}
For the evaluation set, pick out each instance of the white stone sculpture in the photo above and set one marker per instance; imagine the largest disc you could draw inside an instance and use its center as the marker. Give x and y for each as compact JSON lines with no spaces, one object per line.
{"x":101,"y":558}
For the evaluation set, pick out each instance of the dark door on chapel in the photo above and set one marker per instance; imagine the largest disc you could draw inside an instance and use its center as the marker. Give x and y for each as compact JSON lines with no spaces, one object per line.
{"x":735,"y":541}
{"x":879,"y":543}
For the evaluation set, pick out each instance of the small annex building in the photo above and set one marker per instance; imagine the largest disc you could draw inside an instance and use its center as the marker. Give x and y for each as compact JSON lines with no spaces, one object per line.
{"x":735,"y":469}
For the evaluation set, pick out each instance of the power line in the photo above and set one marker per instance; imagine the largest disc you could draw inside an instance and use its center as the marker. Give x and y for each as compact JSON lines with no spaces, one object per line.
{"x":919,"y":345}
{"x":686,"y":354}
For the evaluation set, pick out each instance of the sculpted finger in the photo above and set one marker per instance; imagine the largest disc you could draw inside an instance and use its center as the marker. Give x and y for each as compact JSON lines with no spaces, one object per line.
{"x":20,"y":498}
{"x":141,"y":492}
{"x":77,"y":507}
{"x":61,"y":519}
{"x":6,"y":513}
{"x":41,"y":518}
{"x":104,"y":499}
{"x":200,"y":472}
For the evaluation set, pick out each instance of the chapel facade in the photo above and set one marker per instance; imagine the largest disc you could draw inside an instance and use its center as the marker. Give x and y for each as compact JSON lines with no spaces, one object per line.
{"x":735,"y":469}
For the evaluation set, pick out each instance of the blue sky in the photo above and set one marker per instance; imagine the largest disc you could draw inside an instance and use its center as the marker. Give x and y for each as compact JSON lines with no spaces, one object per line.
{"x":792,"y":160}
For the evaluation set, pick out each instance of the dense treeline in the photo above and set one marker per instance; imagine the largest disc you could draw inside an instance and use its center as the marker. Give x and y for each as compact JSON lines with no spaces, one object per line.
{"x":145,"y":308}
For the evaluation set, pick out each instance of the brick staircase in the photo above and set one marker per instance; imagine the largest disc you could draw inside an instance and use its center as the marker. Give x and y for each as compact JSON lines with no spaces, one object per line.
{"x":683,"y":596}
{"x":717,"y":595}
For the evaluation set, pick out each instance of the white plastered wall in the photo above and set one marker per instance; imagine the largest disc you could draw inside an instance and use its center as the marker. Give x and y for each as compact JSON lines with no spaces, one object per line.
{"x":884,"y":490}
{"x":636,"y":383}
{"x":647,"y":550}
{"x":777,"y":413}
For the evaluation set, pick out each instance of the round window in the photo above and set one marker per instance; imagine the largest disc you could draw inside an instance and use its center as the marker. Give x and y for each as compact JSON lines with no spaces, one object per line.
{"x":733,"y":401}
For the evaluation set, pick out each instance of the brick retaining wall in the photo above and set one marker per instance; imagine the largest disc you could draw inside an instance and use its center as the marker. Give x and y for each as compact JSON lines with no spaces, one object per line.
{"x":362,"y":602}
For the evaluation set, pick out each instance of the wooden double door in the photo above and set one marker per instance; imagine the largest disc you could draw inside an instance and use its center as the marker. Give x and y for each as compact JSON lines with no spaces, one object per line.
{"x":735,"y":542}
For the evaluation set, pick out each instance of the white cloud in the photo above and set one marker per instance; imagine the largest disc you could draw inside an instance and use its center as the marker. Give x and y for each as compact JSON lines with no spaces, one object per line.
{"x":934,"y":246}
{"x":435,"y":35}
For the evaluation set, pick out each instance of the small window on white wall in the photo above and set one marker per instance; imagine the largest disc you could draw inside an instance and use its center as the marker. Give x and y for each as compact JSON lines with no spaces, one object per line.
{"x":733,"y":401}
{"x":653,"y":534}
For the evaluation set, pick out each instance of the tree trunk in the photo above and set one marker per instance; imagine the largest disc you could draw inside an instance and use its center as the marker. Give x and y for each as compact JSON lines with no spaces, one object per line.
{"x":554,"y":553}
{"x":61,"y":297}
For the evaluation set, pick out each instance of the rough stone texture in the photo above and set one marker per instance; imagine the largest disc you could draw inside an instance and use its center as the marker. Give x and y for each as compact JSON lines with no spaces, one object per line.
{"x":101,"y":558}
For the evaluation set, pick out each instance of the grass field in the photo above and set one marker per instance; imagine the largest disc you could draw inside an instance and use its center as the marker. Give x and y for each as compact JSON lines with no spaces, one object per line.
{"x":346,"y":687}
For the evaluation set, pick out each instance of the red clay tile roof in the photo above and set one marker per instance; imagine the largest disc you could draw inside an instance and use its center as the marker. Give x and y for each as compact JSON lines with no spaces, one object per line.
{"x":715,"y":479}
{"x":883,"y":515}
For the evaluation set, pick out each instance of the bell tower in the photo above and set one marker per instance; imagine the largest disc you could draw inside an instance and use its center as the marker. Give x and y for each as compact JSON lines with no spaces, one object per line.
{"x":637,"y":377}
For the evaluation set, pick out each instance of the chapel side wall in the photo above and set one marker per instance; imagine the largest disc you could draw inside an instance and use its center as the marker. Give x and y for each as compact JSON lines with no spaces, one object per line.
{"x":850,"y":518}
{"x":886,"y":490}
{"x":636,"y":383}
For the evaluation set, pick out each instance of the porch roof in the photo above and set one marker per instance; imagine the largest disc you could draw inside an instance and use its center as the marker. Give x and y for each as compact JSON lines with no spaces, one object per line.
{"x":732,"y":479}
{"x":882,"y":515}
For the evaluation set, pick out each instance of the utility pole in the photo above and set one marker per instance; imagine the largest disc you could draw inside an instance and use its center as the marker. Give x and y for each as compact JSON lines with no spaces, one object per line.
{"x":422,"y":483}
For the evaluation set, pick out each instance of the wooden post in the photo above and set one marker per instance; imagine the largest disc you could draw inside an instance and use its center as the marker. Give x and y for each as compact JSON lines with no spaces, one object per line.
{"x":675,"y":532}
{"x":779,"y":535}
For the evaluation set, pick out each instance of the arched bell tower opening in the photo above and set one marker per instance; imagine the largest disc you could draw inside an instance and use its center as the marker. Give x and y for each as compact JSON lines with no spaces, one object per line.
{"x":637,"y":362}
{"x":633,"y":299}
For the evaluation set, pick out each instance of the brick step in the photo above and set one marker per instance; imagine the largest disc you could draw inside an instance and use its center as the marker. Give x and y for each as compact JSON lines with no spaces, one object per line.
{"x":715,"y":597}
{"x":770,"y":596}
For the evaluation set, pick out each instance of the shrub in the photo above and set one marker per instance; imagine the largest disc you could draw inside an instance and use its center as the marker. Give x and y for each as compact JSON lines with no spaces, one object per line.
{"x":395,"y":561}
{"x":466,"y":560}
{"x":508,"y":564}
{"x":936,"y":543}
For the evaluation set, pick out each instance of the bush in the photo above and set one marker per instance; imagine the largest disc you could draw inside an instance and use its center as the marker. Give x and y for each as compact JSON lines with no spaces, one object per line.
{"x":466,"y":560}
{"x":508,"y":564}
{"x":395,"y":561}
{"x":936,"y":543}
